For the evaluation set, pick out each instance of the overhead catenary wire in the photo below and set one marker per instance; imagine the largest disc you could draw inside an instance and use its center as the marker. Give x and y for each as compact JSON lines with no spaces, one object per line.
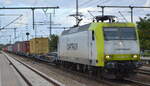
{"x":122,"y":16}
{"x":80,"y":5}
{"x":11,"y":22}
{"x":98,"y":2}
{"x":84,"y":3}
{"x":70,"y":11}
{"x":95,"y":3}
{"x":88,"y":2}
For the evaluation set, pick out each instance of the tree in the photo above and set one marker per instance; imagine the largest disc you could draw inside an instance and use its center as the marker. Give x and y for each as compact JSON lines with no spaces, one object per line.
{"x":144,"y":32}
{"x":53,"y":43}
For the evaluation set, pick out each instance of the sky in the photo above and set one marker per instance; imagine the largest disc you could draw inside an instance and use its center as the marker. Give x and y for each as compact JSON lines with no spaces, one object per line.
{"x":61,"y":17}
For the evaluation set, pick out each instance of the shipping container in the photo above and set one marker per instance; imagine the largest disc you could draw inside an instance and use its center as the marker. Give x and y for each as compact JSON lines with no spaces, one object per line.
{"x":9,"y":48}
{"x":17,"y":47}
{"x":25,"y":47}
{"x":39,"y":46}
{"x":5,"y":49}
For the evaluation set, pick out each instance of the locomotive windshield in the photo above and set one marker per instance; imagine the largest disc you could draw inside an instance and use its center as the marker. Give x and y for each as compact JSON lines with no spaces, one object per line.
{"x":119,"y":34}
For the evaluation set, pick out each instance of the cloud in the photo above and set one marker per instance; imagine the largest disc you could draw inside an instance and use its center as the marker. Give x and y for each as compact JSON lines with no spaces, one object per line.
{"x":29,"y":2}
{"x":147,"y":3}
{"x":7,"y":2}
{"x":62,"y":15}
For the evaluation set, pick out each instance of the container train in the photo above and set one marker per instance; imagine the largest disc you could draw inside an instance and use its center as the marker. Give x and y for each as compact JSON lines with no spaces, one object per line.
{"x":36,"y":47}
{"x":105,"y":48}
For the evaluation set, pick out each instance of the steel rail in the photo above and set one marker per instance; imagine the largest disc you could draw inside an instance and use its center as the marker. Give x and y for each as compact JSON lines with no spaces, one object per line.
{"x":23,"y":77}
{"x":142,"y":71}
{"x":137,"y":82}
{"x":37,"y":72}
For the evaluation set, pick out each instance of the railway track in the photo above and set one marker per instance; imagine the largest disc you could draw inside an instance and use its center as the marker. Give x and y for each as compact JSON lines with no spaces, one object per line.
{"x":124,"y":82}
{"x":100,"y":80}
{"x":30,"y":82}
{"x":127,"y":81}
{"x":138,"y":83}
{"x":142,"y":71}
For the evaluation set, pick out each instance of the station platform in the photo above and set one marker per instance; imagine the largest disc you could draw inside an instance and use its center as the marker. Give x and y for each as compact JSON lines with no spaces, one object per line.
{"x":16,"y":73}
{"x":8,"y":76}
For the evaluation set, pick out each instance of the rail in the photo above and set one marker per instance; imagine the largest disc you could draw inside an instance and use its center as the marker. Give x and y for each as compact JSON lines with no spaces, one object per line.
{"x":138,"y":83}
{"x":50,"y":80}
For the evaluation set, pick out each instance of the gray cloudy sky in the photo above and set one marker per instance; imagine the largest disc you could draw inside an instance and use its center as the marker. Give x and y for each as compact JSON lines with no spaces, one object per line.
{"x":61,"y":16}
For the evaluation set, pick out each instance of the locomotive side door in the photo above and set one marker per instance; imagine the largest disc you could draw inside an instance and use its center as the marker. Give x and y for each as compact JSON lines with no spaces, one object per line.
{"x":92,"y":48}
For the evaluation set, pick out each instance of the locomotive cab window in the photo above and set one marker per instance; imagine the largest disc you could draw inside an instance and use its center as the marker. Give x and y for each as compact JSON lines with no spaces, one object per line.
{"x":93,"y":37}
{"x":120,"y":33}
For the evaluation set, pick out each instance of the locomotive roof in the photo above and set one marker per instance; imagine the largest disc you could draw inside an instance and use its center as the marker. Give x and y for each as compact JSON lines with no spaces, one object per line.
{"x":76,"y":29}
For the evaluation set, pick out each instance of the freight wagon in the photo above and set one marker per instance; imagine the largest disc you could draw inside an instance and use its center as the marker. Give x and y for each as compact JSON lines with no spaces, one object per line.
{"x":39,"y":46}
{"x":24,"y":48}
{"x":4,"y":49}
{"x":16,"y":48}
{"x":36,"y":47}
{"x":9,"y":48}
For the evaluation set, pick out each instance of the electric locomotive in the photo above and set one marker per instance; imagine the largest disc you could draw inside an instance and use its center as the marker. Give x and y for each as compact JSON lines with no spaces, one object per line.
{"x":107,"y":48}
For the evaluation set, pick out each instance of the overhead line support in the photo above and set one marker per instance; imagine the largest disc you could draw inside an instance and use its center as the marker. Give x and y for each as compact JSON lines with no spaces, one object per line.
{"x":29,"y":7}
{"x":131,"y":8}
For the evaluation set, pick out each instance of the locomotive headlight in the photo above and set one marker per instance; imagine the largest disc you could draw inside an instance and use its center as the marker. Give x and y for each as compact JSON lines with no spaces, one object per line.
{"x":135,"y":56}
{"x":107,"y":57}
